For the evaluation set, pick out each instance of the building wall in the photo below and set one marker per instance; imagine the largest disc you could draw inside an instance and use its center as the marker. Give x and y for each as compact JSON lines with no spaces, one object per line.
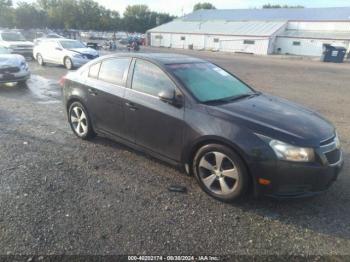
{"x":255,"y":45}
{"x":307,"y":47}
{"x":319,"y":26}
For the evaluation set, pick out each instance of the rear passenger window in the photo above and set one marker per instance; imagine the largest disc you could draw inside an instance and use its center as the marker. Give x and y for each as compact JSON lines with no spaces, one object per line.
{"x":93,"y":71}
{"x":114,"y":70}
{"x":150,"y":79}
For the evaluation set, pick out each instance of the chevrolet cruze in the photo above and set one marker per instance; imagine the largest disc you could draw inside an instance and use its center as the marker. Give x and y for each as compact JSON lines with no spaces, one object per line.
{"x":194,"y":114}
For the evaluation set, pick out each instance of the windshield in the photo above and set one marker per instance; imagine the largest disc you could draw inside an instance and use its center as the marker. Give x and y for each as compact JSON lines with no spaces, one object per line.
{"x":71,"y":44}
{"x":207,"y":82}
{"x":4,"y":50}
{"x":12,"y":37}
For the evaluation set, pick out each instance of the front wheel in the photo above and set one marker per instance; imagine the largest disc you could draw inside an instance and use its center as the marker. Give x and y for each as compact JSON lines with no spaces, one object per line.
{"x":40,"y":59}
{"x":79,"y":121}
{"x":68,"y":63}
{"x":22,"y":83}
{"x":220,"y":172}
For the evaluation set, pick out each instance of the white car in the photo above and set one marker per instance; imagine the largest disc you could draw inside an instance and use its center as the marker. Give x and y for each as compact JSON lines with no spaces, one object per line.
{"x":62,"y":51}
{"x":16,"y":42}
{"x":13,"y":67}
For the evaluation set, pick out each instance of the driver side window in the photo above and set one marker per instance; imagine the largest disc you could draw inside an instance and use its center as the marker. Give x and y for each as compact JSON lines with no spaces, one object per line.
{"x":150,"y":79}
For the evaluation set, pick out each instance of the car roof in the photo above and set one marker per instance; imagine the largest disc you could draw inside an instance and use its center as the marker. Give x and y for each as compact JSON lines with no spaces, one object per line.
{"x":161,"y":58}
{"x":9,"y":31}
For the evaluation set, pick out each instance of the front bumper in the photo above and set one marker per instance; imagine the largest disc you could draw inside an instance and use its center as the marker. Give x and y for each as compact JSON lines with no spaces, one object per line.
{"x":14,"y":77}
{"x":77,"y":62}
{"x":27,"y":52}
{"x":293,"y":180}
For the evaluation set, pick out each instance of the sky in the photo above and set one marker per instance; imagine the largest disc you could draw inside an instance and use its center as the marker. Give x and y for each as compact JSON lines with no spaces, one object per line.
{"x":179,"y":7}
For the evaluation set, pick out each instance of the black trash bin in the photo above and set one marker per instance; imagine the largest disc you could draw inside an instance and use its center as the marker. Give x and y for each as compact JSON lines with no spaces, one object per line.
{"x":335,"y":54}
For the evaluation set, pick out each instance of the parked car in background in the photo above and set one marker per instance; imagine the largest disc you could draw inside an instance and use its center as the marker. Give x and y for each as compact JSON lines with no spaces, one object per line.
{"x":67,"y":52}
{"x":46,"y":36}
{"x":13,"y":67}
{"x":194,"y":114}
{"x":16,"y":42}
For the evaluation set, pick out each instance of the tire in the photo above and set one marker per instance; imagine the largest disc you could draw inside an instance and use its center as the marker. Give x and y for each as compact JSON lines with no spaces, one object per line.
{"x":79,"y":121}
{"x":226,"y":182}
{"x":40,"y":59}
{"x":22,"y":83}
{"x":68,"y":63}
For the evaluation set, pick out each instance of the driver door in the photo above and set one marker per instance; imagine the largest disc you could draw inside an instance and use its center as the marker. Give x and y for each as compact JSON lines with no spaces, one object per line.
{"x":155,"y":125}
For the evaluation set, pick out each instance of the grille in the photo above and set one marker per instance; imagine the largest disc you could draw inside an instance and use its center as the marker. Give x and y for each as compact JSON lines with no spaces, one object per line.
{"x":91,"y":56}
{"x":24,"y":47}
{"x":327,"y":141}
{"x":9,"y":70}
{"x":333,"y":156}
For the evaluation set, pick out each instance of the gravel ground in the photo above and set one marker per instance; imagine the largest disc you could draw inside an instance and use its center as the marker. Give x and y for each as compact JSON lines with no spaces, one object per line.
{"x":61,"y":195}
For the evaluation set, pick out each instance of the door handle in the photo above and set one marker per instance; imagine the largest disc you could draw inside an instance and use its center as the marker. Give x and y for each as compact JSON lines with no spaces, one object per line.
{"x":92,"y":92}
{"x":131,"y":106}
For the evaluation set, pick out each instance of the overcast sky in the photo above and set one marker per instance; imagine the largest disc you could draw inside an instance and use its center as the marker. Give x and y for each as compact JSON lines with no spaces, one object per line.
{"x":177,"y":7}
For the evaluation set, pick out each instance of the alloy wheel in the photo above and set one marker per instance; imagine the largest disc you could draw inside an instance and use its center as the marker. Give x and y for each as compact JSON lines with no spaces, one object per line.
{"x":218,"y":173}
{"x":79,"y":121}
{"x":40,"y":59}
{"x":68,"y":63}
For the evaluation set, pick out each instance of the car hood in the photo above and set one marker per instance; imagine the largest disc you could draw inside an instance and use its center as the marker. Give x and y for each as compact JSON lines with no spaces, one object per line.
{"x":276,"y":118}
{"x":86,"y":51}
{"x":17,"y":43}
{"x":10,"y":60}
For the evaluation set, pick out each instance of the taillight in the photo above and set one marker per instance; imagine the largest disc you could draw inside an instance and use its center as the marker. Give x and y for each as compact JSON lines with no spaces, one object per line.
{"x":62,"y":81}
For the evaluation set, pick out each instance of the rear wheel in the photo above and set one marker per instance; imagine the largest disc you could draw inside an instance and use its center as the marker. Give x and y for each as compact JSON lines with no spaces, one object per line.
{"x":79,"y":121}
{"x":220,"y":172}
{"x":40,"y":59}
{"x":68,"y":63}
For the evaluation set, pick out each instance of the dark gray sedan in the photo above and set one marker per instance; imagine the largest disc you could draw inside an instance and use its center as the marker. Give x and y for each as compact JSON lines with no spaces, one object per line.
{"x":194,"y":114}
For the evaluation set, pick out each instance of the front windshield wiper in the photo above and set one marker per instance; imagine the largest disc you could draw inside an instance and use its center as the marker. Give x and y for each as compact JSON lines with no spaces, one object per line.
{"x":232,"y":98}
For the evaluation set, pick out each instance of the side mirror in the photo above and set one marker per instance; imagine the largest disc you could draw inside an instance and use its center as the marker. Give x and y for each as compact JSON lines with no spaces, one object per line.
{"x":169,"y":96}
{"x":58,"y":48}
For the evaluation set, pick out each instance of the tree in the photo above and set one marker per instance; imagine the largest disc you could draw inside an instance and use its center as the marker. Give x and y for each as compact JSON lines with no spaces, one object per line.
{"x":268,"y":6}
{"x":138,"y":18}
{"x":78,"y":14}
{"x":29,"y":16}
{"x":6,"y":13}
{"x":205,"y":5}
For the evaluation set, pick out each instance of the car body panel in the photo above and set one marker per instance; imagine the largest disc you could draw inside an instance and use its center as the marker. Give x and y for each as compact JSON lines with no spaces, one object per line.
{"x":287,"y":121}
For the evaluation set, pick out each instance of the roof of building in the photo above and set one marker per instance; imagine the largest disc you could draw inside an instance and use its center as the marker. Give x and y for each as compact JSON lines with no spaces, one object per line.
{"x":247,"y":28}
{"x":272,"y":14}
{"x":329,"y":35}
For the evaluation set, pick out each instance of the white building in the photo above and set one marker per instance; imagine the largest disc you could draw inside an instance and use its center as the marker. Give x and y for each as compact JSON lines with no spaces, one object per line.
{"x":297,"y":31}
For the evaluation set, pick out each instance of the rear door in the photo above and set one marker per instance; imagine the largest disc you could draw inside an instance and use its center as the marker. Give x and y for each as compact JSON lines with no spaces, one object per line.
{"x":156,"y":125}
{"x":106,"y":89}
{"x":51,"y":53}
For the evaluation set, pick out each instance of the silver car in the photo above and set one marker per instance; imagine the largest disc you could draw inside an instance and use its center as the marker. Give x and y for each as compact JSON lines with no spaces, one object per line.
{"x":67,"y":52}
{"x":16,"y":42}
{"x":13,"y":67}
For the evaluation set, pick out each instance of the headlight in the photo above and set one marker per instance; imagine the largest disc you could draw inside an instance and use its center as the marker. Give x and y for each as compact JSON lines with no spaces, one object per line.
{"x":288,"y":152}
{"x":24,"y":65}
{"x":337,"y":141}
